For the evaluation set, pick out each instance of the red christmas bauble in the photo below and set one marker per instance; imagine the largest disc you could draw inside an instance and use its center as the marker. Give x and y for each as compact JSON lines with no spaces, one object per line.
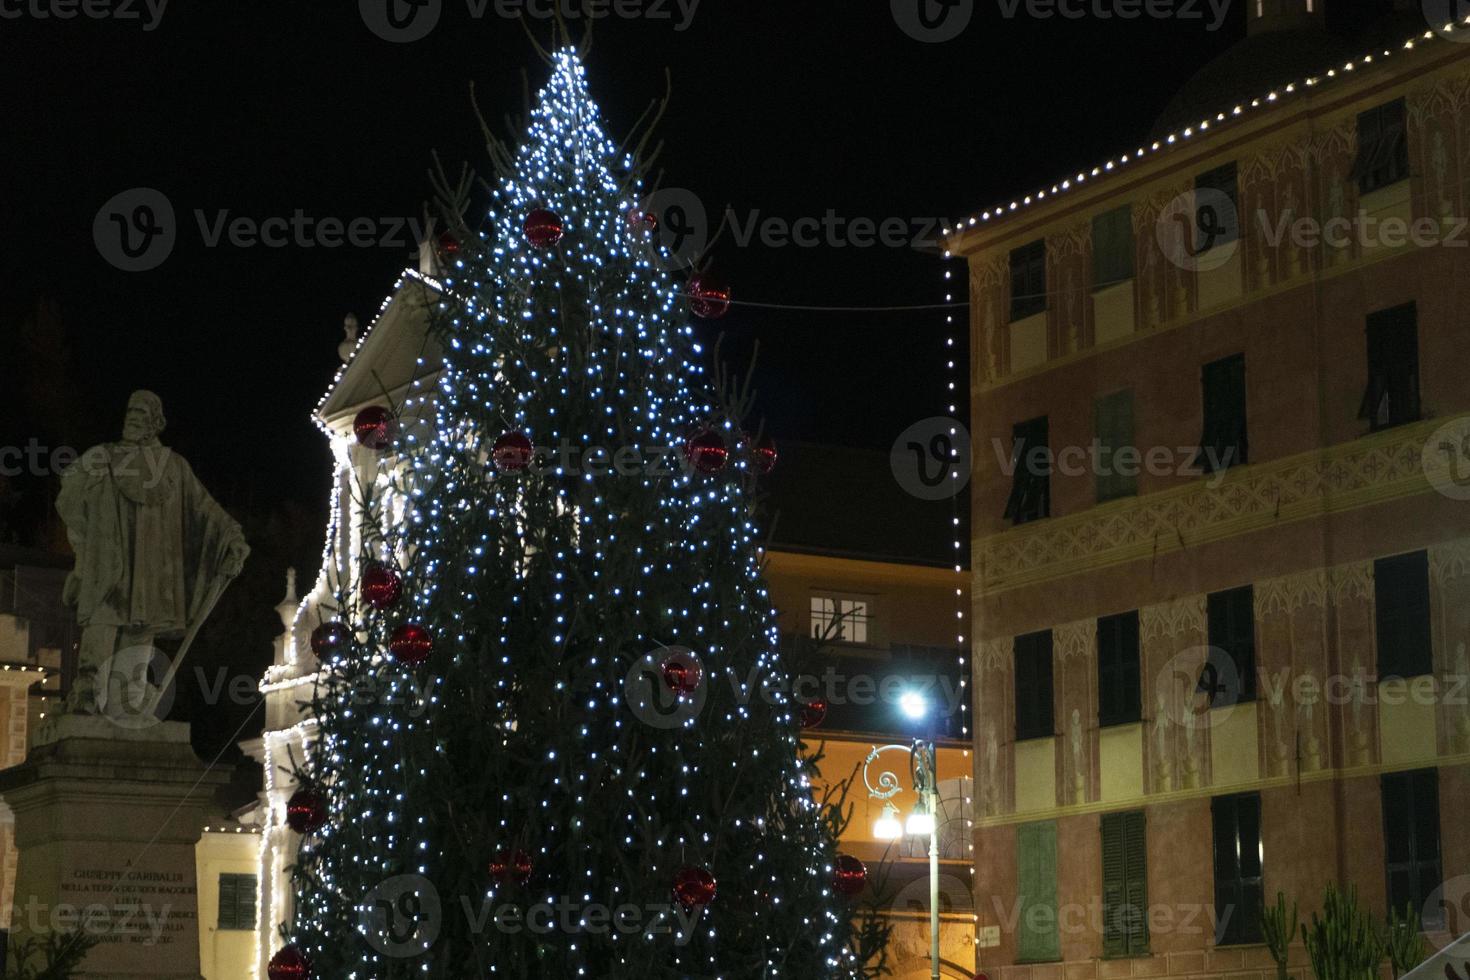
{"x":510,"y":866}
{"x":813,"y":713}
{"x":306,"y":811}
{"x":289,"y":963}
{"x":448,"y":244}
{"x":849,"y":876}
{"x":763,"y":455}
{"x":709,"y":296}
{"x":328,"y":638}
{"x":374,"y":427}
{"x":410,"y":644}
{"x":543,"y":228}
{"x":382,"y":586}
{"x":682,"y":671}
{"x":512,"y":452}
{"x":642,"y":222}
{"x":707,"y":452}
{"x":694,"y":887}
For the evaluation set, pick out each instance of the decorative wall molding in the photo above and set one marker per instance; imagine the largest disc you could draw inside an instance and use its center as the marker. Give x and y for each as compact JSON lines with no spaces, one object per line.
{"x":1173,"y":618}
{"x":1378,"y":467}
{"x":1449,"y":561}
{"x":1287,"y":594}
{"x":1074,"y":640}
{"x":1352,"y":581}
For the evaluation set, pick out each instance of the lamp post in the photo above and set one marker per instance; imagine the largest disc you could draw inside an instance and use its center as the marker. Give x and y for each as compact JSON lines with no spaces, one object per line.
{"x":924,"y":818}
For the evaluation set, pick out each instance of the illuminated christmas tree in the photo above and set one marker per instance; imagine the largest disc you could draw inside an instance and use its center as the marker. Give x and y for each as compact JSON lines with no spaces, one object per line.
{"x":555,"y":695}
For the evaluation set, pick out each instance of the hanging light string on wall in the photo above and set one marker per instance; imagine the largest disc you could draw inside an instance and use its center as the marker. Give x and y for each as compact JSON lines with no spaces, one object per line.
{"x":1272,"y":98}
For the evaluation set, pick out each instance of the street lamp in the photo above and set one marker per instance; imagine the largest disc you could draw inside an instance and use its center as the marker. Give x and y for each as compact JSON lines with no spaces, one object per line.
{"x":923,"y":820}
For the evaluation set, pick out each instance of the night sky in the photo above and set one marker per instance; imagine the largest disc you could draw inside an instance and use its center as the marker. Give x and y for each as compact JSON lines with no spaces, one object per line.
{"x":785,"y":109}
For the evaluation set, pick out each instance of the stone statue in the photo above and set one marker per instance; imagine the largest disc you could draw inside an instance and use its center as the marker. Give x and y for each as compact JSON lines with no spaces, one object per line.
{"x":153,"y":549}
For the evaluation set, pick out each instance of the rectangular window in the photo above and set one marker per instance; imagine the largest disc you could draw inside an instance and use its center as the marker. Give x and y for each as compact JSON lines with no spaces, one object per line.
{"x":1036,"y":880}
{"x":1401,"y":605}
{"x":1125,"y":884}
{"x":1223,"y":442}
{"x":1030,"y":497}
{"x":1117,"y":669}
{"x":1112,"y":420}
{"x":237,"y":902}
{"x":1112,"y":247}
{"x":1216,"y":208}
{"x":1028,"y":280}
{"x":1411,"y":843}
{"x":1034,"y":686}
{"x":839,"y":620}
{"x":1383,"y":147}
{"x":1231,"y":667}
{"x":1237,"y":830}
{"x":1392,"y":397}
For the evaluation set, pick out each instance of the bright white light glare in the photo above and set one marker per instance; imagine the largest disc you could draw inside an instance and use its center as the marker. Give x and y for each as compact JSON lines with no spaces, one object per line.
{"x":887,"y":826}
{"x":920,"y":823}
{"x":913,"y":705}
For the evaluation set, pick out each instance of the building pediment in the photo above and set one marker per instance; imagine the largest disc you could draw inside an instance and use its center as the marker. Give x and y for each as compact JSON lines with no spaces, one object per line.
{"x":396,"y":350}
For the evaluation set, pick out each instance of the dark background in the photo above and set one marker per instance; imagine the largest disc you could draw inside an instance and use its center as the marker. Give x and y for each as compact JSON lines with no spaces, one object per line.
{"x":263,"y":108}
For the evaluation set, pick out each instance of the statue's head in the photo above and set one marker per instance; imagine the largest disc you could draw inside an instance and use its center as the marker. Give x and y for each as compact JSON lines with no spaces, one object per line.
{"x":144,"y":419}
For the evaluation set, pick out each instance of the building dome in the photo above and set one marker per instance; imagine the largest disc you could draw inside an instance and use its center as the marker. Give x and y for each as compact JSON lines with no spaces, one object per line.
{"x":1286,"y":41}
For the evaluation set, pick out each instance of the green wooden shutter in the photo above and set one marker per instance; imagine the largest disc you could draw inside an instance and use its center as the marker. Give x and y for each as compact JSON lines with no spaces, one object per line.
{"x":227,"y":899}
{"x":1112,"y":417}
{"x":1112,"y":246}
{"x":1036,"y":859}
{"x":1125,"y":884}
{"x":1114,"y":887}
{"x":1135,"y":851}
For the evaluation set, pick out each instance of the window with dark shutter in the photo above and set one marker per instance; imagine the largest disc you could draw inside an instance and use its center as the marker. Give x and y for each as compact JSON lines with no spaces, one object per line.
{"x":1034,"y":686}
{"x":1401,"y":607}
{"x":1112,"y":417}
{"x":1125,"y":884}
{"x":237,"y":902}
{"x":1216,"y":208}
{"x":1036,"y":879}
{"x":1411,"y":843}
{"x":1238,"y":894}
{"x":1030,"y":497}
{"x":1117,"y":669}
{"x":1112,"y":247}
{"x":1028,"y":280}
{"x":1223,"y":442}
{"x":1230,"y":671}
{"x":1392,"y":397}
{"x":1383,"y":147}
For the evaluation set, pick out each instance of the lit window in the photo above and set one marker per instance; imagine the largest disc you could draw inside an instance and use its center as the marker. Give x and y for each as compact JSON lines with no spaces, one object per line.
{"x":839,"y":620}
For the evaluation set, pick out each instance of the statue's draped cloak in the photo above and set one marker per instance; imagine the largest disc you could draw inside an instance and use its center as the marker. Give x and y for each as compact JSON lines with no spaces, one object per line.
{"x":149,"y":539}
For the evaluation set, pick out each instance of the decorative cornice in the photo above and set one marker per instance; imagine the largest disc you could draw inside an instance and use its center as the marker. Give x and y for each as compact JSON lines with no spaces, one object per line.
{"x":1375,"y":468}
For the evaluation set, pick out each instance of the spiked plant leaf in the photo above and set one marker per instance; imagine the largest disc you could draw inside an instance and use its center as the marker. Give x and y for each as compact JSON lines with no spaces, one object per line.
{"x":1406,"y":946}
{"x":1343,"y":942}
{"x":1279,"y":930}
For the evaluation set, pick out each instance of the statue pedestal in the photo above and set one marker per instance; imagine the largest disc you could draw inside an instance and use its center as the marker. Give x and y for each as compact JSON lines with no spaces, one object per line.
{"x":106,"y":821}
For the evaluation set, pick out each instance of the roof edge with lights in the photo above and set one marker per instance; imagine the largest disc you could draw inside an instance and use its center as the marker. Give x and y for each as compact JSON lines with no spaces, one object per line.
{"x":957,"y":235}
